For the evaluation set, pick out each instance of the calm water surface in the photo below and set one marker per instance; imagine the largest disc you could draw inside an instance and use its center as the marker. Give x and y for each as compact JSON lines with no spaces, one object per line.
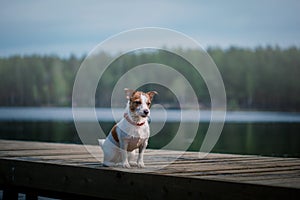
{"x":258,"y":133}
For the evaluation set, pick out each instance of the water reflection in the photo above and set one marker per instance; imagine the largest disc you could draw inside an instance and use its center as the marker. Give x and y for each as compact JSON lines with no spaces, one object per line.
{"x":258,"y":133}
{"x":272,"y":139}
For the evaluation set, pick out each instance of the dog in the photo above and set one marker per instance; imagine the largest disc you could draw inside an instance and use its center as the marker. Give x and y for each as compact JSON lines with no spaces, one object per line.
{"x":131,"y":133}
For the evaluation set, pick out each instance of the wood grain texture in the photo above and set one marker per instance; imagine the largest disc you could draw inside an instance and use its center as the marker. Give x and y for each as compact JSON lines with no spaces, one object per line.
{"x":69,"y":169}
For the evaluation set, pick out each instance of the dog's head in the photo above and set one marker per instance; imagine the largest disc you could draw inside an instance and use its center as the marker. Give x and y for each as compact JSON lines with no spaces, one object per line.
{"x":139,"y":102}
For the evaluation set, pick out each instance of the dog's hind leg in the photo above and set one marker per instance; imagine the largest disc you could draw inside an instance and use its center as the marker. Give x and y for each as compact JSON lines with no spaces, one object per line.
{"x":111,"y":158}
{"x":101,"y":142}
{"x":111,"y":153}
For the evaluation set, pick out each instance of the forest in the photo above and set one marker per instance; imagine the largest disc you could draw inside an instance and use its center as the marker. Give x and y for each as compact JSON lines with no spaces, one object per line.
{"x":262,"y":78}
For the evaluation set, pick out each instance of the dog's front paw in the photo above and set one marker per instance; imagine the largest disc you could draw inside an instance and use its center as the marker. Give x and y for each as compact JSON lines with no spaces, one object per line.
{"x":132,"y":163}
{"x":125,"y":165}
{"x":140,"y":164}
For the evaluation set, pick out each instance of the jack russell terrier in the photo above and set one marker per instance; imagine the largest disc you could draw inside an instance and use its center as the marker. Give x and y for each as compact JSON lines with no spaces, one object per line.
{"x":131,"y":133}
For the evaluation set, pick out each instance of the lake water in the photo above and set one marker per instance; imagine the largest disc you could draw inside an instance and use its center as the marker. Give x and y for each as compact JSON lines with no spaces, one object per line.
{"x":258,"y":133}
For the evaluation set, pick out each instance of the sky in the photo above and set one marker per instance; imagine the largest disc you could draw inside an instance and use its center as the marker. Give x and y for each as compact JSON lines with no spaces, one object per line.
{"x":65,"y":27}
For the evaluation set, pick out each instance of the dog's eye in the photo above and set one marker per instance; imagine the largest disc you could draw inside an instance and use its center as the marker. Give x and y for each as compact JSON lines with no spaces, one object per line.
{"x":148,"y":104}
{"x":137,"y":102}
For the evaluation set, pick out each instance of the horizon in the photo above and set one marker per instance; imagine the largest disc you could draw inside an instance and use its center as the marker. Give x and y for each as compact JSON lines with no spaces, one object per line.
{"x":209,"y":48}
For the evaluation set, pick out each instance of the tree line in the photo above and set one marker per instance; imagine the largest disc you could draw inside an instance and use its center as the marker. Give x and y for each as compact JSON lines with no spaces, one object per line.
{"x":264,"y":78}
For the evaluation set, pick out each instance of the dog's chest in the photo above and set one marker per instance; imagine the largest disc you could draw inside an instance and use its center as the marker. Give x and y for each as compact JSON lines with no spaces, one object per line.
{"x":134,"y":143}
{"x":135,"y":136}
{"x":135,"y":131}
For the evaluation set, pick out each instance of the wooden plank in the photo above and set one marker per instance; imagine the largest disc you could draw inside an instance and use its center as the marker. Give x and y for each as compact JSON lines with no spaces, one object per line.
{"x":231,"y":166}
{"x":21,"y":145}
{"x":245,"y":175}
{"x":257,"y":174}
{"x":27,"y":153}
{"x":107,"y":183}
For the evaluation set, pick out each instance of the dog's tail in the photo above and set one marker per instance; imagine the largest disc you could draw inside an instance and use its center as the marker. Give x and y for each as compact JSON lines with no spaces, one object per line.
{"x":101,"y":142}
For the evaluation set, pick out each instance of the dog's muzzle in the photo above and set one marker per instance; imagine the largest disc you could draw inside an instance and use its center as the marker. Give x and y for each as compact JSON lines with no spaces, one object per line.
{"x":145,"y":113}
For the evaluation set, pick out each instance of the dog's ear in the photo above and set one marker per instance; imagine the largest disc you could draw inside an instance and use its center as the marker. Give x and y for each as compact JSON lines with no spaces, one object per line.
{"x":128,"y":93}
{"x":151,"y":94}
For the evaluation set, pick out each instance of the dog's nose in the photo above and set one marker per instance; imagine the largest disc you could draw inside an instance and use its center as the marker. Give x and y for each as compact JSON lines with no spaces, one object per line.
{"x":146,"y":112}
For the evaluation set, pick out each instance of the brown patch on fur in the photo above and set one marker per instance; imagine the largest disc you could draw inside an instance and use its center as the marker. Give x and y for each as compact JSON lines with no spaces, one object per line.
{"x":114,"y":133}
{"x":150,"y":96}
{"x":135,"y":97}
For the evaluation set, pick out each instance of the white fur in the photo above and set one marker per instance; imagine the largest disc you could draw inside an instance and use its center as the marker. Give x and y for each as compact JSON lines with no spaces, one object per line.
{"x":140,"y":110}
{"x":129,"y":135}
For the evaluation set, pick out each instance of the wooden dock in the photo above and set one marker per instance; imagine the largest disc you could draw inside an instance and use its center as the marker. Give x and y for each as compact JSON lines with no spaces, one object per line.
{"x":68,"y":171}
